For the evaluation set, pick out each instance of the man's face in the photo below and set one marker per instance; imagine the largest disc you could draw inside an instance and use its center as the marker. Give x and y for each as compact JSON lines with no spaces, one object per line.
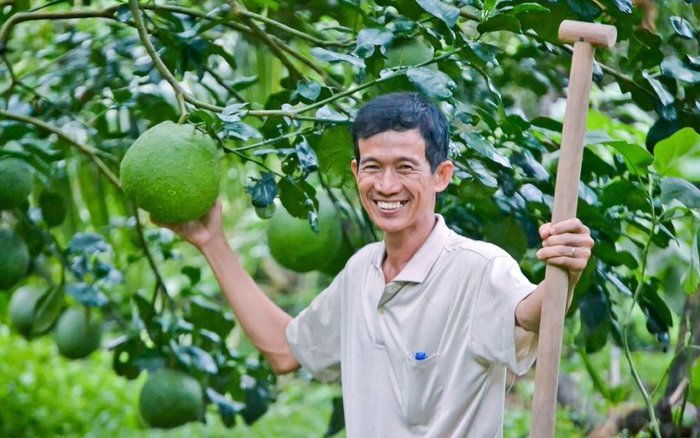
{"x":396,"y":185}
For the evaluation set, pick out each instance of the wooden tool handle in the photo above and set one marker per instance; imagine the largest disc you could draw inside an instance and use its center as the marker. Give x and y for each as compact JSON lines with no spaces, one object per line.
{"x":557,"y":279}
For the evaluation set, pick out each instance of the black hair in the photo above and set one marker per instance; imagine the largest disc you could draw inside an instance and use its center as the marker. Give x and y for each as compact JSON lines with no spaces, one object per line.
{"x":402,"y":112}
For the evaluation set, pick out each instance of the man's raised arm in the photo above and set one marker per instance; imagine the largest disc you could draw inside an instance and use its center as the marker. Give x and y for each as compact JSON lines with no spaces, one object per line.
{"x":262,"y":320}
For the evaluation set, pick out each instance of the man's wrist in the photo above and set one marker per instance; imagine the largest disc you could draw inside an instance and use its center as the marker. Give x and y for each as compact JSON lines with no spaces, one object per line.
{"x":214,"y":244}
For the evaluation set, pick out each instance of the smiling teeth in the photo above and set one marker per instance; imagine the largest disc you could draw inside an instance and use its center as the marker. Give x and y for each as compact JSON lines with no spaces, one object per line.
{"x":389,"y":205}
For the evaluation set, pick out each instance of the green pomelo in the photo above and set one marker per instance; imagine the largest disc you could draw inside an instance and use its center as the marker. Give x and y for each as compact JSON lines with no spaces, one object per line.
{"x":22,"y":309}
{"x":14,"y":258}
{"x":76,"y":335}
{"x":352,"y":240}
{"x":296,"y":246}
{"x":53,"y":207}
{"x":173,"y":172}
{"x":170,"y":398}
{"x":15,"y":183}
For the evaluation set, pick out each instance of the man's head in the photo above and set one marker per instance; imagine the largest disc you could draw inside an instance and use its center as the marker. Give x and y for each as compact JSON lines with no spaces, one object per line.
{"x":403,"y":112}
{"x":401,"y":165}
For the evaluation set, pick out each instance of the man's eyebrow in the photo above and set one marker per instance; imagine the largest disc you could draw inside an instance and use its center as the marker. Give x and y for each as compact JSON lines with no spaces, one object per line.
{"x":398,"y":160}
{"x":366,"y":160}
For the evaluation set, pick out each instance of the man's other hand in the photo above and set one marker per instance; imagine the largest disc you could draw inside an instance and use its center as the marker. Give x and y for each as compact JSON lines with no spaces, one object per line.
{"x":566,"y":244}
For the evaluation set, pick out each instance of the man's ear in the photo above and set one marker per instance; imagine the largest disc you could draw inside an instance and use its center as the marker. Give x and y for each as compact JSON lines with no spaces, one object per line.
{"x":443,"y":174}
{"x":353,"y":166}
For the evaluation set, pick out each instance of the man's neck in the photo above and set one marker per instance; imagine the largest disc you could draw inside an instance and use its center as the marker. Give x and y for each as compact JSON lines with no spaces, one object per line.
{"x":401,"y":247}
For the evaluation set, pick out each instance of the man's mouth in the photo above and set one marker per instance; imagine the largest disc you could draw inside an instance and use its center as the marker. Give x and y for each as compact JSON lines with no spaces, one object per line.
{"x":390,"y":205}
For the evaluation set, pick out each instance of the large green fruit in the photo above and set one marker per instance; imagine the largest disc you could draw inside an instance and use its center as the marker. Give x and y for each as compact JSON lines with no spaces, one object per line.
{"x":22,"y":309}
{"x":173,"y":172}
{"x":352,"y":241}
{"x":76,"y":335}
{"x":15,"y":183}
{"x":170,"y":398}
{"x":14,"y":258}
{"x":297,"y":247}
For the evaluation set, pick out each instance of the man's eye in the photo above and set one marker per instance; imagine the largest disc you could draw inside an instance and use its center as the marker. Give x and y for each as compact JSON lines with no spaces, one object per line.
{"x":404,"y":168}
{"x":370,"y":168}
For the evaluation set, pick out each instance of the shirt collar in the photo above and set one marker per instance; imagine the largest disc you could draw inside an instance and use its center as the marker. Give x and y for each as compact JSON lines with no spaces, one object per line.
{"x":416,"y":270}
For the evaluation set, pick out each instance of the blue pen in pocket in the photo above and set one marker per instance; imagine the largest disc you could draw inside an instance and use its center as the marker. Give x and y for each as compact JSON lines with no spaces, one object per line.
{"x":420,"y":355}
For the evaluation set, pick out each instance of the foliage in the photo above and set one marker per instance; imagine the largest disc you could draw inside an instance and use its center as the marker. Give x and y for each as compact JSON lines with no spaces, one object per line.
{"x":43,"y":394}
{"x":276,"y":82}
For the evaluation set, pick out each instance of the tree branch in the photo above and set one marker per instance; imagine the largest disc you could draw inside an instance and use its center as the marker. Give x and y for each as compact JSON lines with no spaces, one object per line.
{"x":160,"y":65}
{"x":160,"y":284}
{"x":20,"y":17}
{"x":239,"y":9}
{"x":88,"y":151}
{"x":297,"y":33}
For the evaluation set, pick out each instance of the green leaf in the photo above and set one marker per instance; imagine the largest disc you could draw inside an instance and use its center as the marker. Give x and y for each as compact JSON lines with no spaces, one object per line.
{"x":432,"y":83}
{"x":680,"y":190}
{"x":499,"y":22}
{"x":624,"y":6}
{"x":263,"y":191}
{"x":478,"y":143}
{"x":86,"y":294}
{"x":206,"y":315}
{"x":87,"y":243}
{"x":47,"y":309}
{"x":508,"y":234}
{"x":673,"y":153}
{"x":195,"y":357}
{"x":437,"y":8}
{"x":547,"y":123}
{"x":241,"y":131}
{"x":683,"y":71}
{"x":326,"y":55}
{"x":298,"y":197}
{"x":307,"y":157}
{"x":665,"y":97}
{"x":691,"y":279}
{"x":193,"y":273}
{"x":482,"y":174}
{"x":337,"y":421}
{"x":334,"y":149}
{"x":227,"y":408}
{"x":368,"y":39}
{"x":257,"y":400}
{"x":309,"y":90}
{"x":585,"y":9}
{"x":623,"y":192}
{"x":524,"y":8}
{"x":636,"y":157}
{"x":682,"y":27}
{"x":595,"y":322}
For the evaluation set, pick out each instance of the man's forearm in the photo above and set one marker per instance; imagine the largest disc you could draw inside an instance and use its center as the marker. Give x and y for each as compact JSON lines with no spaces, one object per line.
{"x":262,"y":320}
{"x":528,"y":311}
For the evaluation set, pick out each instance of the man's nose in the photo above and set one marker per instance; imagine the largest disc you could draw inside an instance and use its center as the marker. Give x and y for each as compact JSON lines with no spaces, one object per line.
{"x":387,"y":182}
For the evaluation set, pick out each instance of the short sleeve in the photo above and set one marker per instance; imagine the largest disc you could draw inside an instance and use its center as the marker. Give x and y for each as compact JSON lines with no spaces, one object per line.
{"x":495,"y":336}
{"x":314,"y":335}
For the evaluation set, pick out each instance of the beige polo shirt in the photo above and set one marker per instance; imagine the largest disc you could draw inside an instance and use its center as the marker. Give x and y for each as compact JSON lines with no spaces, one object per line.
{"x":425,"y":355}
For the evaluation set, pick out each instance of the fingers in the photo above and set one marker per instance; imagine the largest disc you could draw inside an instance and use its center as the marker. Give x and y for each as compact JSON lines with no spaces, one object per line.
{"x":567,"y":244}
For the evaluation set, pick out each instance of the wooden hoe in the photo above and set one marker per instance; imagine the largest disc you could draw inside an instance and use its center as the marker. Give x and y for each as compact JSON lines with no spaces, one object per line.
{"x":585,"y":37}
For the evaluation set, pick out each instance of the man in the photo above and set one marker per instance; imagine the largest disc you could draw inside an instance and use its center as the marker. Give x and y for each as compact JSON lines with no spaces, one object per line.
{"x":421,"y":327}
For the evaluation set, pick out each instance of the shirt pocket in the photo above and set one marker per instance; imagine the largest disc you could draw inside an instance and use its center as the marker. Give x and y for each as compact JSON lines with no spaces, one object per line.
{"x":422,"y":388}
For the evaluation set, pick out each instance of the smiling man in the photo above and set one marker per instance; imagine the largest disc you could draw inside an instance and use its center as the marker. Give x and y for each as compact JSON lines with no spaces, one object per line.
{"x":421,"y":327}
